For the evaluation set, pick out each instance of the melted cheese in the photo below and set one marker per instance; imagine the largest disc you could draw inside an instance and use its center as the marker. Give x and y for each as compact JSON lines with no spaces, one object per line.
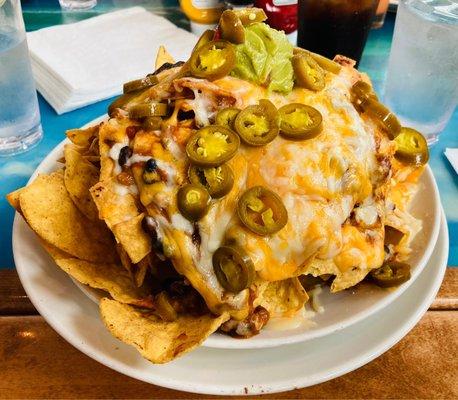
{"x":320,"y":181}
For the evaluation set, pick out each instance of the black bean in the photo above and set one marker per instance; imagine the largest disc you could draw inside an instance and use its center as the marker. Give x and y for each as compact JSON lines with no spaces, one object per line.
{"x":150,"y":165}
{"x":124,"y":155}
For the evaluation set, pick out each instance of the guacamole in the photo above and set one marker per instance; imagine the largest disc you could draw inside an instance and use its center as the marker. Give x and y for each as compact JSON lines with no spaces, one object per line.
{"x":265,"y":58}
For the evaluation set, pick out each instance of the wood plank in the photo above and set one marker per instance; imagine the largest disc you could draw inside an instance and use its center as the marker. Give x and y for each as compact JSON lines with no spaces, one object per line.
{"x":37,"y":363}
{"x":14,"y":301}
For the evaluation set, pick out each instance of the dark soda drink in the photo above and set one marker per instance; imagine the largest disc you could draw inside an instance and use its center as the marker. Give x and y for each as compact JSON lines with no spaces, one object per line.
{"x":331,"y":27}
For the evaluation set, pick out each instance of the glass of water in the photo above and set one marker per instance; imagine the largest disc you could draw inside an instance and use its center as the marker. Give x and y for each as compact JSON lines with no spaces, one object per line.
{"x":422,"y":79}
{"x":20,"y":126}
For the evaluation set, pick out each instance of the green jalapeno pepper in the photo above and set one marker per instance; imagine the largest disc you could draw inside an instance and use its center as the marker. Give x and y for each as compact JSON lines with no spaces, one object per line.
{"x":205,"y":38}
{"x":212,"y":146}
{"x":322,"y":61}
{"x":193,"y":201}
{"x":231,"y":27}
{"x":307,"y":72}
{"x":226,"y":117}
{"x":391,"y":274}
{"x":299,"y":121}
{"x":259,"y":124}
{"x":152,"y":123}
{"x":392,"y":235}
{"x":146,"y":82}
{"x":152,"y":109}
{"x":217,"y":180}
{"x":233,"y":268}
{"x":364,"y":99}
{"x":262,"y":211}
{"x":412,"y":147}
{"x":122,"y":102}
{"x":212,"y":60}
{"x":250,"y":16}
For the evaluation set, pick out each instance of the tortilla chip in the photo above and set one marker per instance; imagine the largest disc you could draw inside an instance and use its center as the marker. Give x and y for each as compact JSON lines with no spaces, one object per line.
{"x":124,"y":258}
{"x":111,"y":132}
{"x":93,"y":148}
{"x":140,"y":270}
{"x":156,"y":340}
{"x":112,"y":278}
{"x":83,"y":137}
{"x":283,"y":298}
{"x":53,"y":251}
{"x":113,"y":207}
{"x":13,"y":199}
{"x":163,"y":56}
{"x":50,"y":212}
{"x":79,"y":177}
{"x":92,"y":159}
{"x":136,"y":271}
{"x":133,"y":238}
{"x":342,"y":280}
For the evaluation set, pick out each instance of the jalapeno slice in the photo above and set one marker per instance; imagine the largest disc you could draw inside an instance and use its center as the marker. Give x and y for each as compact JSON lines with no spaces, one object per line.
{"x":360,"y":92}
{"x":205,"y":38}
{"x":391,"y":274}
{"x":307,"y":72}
{"x":299,"y":121}
{"x":386,"y":118}
{"x":227,"y":116}
{"x":152,"y":123}
{"x":233,"y":268}
{"x":364,"y":99}
{"x":213,"y":60}
{"x":322,"y":61}
{"x":122,"y":102}
{"x":148,"y":81}
{"x":148,"y":110}
{"x":412,"y":147}
{"x":193,"y":201}
{"x":392,"y":235}
{"x":259,"y":124}
{"x":212,"y":146}
{"x":231,"y":27}
{"x":262,"y":211}
{"x":251,"y":15}
{"x":217,"y":180}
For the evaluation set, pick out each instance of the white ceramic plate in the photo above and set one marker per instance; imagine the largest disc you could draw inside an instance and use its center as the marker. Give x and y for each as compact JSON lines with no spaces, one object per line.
{"x":342,"y":309}
{"x":75,"y":317}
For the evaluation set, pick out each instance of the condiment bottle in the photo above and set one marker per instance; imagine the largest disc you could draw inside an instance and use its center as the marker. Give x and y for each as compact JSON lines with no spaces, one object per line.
{"x":203,"y":14}
{"x":281,"y":15}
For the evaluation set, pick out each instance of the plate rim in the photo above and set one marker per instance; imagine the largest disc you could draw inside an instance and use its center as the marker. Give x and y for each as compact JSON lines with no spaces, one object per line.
{"x":366,"y":357}
{"x":229,"y":343}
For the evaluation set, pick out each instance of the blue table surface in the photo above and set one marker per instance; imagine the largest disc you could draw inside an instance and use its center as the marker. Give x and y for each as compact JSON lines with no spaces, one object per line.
{"x":15,"y":171}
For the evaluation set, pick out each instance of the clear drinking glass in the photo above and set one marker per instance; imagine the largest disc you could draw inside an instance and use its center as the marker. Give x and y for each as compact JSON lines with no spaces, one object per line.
{"x":422,"y":79}
{"x":20,"y":126}
{"x":77,"y":4}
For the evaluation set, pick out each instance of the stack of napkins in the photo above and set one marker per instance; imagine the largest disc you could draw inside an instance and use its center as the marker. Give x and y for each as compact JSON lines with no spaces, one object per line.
{"x":452,"y":155}
{"x":81,"y":63}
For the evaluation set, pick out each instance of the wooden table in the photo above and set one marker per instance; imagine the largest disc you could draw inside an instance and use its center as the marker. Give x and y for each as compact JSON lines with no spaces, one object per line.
{"x":35,"y":362}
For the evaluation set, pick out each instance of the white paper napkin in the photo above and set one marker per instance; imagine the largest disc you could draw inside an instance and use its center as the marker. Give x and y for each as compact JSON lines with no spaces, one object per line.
{"x":81,"y":63}
{"x":452,"y":155}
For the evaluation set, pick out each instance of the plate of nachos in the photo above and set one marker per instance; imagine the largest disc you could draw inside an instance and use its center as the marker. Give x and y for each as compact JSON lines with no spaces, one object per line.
{"x":253,"y":196}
